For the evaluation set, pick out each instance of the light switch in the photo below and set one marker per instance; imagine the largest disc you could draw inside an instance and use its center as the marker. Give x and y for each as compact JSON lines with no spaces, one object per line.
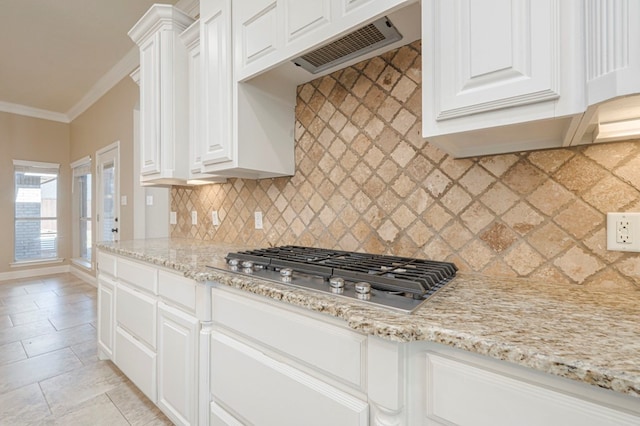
{"x":123,"y":200}
{"x":215,"y":219}
{"x":149,"y":200}
{"x":194,"y":217}
{"x":258,"y":220}
{"x":173,"y":218}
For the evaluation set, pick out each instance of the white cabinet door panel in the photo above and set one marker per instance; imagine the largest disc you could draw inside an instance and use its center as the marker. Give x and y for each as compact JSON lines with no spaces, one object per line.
{"x":139,"y":275}
{"x":106,"y":303}
{"x":150,"y":106}
{"x":493,"y":399}
{"x":136,"y":312}
{"x":304,"y":16}
{"x":137,"y":362}
{"x":495,"y":54}
{"x":177,"y":361}
{"x":215,"y":33}
{"x":257,"y":26}
{"x":266,"y":391}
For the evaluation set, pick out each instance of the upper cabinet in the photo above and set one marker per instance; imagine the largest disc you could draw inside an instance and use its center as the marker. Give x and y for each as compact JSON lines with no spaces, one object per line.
{"x":268,"y":32}
{"x":164,"y":128}
{"x":511,"y":75}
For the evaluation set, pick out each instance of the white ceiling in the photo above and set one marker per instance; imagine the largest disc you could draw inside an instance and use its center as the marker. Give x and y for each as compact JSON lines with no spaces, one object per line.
{"x":53,"y":53}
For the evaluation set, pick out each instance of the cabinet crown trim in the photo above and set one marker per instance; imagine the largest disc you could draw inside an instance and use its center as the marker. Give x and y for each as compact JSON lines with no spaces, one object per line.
{"x":160,"y":17}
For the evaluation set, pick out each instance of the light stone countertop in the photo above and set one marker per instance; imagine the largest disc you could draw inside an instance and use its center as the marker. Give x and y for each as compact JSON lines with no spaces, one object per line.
{"x":566,"y":330}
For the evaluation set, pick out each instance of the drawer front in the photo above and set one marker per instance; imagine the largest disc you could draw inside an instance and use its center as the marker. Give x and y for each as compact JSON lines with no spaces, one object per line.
{"x":106,"y":264}
{"x":494,"y":399}
{"x":142,"y":276}
{"x":329,"y":348}
{"x":257,"y":387}
{"x":177,"y":290}
{"x":137,"y":362}
{"x":136,"y":312}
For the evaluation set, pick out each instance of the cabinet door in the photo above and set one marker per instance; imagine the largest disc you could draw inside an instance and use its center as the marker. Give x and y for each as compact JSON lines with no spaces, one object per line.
{"x":262,"y":390}
{"x":136,"y":312}
{"x":216,"y":62}
{"x":492,"y":54}
{"x":302,"y":17}
{"x":177,"y":361}
{"x":150,"y":106}
{"x":137,"y":362}
{"x":256,"y":30}
{"x":106,"y":300}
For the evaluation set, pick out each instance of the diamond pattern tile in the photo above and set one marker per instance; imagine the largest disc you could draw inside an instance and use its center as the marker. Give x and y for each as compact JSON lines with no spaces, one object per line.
{"x":367,"y":181}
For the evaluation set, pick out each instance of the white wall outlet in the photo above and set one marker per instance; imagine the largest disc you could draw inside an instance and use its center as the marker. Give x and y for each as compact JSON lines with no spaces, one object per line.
{"x":258,"y":219}
{"x":173,"y":218}
{"x":215,"y":219}
{"x":623,"y":232}
{"x":149,"y":200}
{"x":194,"y":217}
{"x":123,"y":200}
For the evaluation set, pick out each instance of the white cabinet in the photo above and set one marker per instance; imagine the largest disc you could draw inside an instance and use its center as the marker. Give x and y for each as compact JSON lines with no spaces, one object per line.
{"x":270,"y":32}
{"x":191,"y":39}
{"x":293,"y":368}
{"x":106,"y":303}
{"x":163,"y":95}
{"x":248,"y":127}
{"x":491,"y":398}
{"x":177,"y":364}
{"x":495,"y":63}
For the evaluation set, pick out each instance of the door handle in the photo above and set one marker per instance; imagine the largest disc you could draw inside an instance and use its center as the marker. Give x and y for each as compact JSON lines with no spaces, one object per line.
{"x":114,"y":229}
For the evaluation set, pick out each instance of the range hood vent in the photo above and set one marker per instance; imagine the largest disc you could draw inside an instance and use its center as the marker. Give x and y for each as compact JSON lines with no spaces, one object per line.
{"x":359,"y":42}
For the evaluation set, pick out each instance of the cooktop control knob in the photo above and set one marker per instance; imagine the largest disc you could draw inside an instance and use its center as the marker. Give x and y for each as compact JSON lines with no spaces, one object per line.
{"x":363,"y":290}
{"x":336,"y":284}
{"x":247,"y":264}
{"x":286,"y":274}
{"x":233,"y":261}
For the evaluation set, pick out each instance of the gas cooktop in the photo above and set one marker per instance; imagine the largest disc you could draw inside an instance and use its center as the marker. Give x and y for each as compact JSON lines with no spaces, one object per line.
{"x":395,"y":282}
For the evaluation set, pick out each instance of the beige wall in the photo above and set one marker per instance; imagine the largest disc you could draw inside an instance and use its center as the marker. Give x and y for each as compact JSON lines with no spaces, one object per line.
{"x":110,"y":119}
{"x":366,"y":180}
{"x":33,"y":139}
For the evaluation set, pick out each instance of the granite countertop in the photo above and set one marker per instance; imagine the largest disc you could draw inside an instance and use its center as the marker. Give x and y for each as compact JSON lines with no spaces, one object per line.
{"x":567,"y":330}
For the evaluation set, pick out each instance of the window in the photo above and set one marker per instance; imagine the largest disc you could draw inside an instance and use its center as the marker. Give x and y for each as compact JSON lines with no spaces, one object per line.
{"x":81,"y":214}
{"x":36,"y":211}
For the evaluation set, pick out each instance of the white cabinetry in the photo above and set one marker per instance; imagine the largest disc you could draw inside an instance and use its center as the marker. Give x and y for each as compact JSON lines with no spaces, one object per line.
{"x":294,"y":368}
{"x":163,"y":95}
{"x":269,"y":32}
{"x":150,"y":325}
{"x":494,"y":63}
{"x":248,"y":127}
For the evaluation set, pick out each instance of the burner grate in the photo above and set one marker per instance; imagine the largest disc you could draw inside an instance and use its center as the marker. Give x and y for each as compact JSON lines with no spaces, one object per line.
{"x":389,"y":273}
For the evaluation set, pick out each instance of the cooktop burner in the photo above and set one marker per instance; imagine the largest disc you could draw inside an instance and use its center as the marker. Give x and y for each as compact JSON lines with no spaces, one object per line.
{"x":397,"y":282}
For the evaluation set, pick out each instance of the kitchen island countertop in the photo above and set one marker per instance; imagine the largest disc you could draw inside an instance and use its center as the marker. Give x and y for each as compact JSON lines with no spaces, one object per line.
{"x":570,"y":331}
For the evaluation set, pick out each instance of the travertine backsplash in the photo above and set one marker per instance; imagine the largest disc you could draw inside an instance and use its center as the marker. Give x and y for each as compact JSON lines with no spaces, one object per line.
{"x":366,"y":181}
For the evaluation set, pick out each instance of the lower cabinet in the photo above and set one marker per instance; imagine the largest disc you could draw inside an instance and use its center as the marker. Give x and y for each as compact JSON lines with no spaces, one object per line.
{"x":137,"y":362}
{"x":177,"y":364}
{"x":275,"y":365}
{"x":106,"y":304}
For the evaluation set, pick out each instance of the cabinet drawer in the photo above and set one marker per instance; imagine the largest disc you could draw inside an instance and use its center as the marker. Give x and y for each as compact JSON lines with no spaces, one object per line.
{"x":177,"y":289}
{"x":137,"y":362}
{"x":256,"y":386}
{"x":332,"y":349}
{"x":494,"y":399}
{"x":136,"y":313}
{"x":106,"y":264}
{"x":139,"y":275}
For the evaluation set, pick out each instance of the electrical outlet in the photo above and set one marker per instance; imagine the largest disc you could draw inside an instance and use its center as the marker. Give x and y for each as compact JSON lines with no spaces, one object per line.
{"x":215,"y":219}
{"x":623,"y":232}
{"x":173,"y":218}
{"x":258,"y":219}
{"x":194,"y":217}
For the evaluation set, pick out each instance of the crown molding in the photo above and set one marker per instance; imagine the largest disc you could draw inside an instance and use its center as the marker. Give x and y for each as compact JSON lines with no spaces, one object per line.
{"x":33,"y":112}
{"x":119,"y":71}
{"x":190,"y":7}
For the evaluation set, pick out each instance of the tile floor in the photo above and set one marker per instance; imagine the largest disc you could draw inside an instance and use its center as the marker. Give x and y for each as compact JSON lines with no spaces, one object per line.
{"x":49,"y":371}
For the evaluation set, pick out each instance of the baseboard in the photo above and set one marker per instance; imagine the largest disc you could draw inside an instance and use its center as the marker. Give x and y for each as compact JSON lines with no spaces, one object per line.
{"x":35,"y":272}
{"x":83,"y":275}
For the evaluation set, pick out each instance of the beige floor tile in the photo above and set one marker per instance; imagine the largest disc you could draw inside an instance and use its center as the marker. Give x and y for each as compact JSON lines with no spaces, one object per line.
{"x":55,"y":340}
{"x":61,"y":300}
{"x":98,"y":411}
{"x":15,"y":309}
{"x":26,"y":331}
{"x":87,"y":352}
{"x":37,"y":297}
{"x":23,"y":406}
{"x":135,"y":407}
{"x":12,"y":352}
{"x":72,"y":318}
{"x":5,"y":322}
{"x":75,"y":289}
{"x":8,"y":290}
{"x":66,"y":391}
{"x":32,"y":370}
